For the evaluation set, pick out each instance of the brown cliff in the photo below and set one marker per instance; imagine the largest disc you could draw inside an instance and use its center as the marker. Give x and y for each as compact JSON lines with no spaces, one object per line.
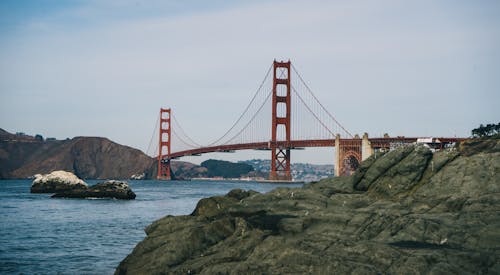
{"x":22,"y":156}
{"x":86,"y":157}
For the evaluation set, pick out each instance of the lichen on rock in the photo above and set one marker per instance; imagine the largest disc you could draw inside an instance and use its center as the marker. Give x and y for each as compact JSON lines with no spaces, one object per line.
{"x":57,"y":181}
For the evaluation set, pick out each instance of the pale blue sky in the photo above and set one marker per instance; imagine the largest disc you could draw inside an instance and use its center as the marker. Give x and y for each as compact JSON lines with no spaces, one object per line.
{"x":104,"y":68}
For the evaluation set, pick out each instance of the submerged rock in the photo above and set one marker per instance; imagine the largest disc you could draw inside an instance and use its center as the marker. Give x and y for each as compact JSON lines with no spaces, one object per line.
{"x":108,"y":189}
{"x":406,"y":212}
{"x":57,"y":181}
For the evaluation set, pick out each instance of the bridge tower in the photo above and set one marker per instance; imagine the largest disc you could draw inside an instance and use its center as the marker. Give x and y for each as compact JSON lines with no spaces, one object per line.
{"x":281,"y":122}
{"x":164,"y":145}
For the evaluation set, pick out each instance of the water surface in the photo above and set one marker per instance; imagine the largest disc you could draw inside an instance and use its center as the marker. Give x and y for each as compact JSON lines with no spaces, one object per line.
{"x":39,"y":234}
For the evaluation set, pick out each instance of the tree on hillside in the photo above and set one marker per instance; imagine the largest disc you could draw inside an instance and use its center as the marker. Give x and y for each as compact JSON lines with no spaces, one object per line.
{"x":226,"y":169}
{"x":486,"y":131}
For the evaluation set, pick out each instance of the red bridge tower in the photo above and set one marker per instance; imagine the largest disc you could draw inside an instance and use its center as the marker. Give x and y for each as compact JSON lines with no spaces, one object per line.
{"x":164,"y":146}
{"x":280,"y":158}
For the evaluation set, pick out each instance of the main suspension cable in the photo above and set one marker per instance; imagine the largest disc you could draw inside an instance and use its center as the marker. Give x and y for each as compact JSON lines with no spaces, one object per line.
{"x":246,"y":109}
{"x":183,"y":141}
{"x":315,"y":98}
{"x":152,"y":136}
{"x":308,"y":108}
{"x":194,"y":143}
{"x":253,"y":117}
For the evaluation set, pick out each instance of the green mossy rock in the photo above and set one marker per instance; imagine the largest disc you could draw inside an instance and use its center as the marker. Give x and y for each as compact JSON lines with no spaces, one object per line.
{"x":406,"y":212}
{"x":379,"y":167}
{"x":402,"y":176}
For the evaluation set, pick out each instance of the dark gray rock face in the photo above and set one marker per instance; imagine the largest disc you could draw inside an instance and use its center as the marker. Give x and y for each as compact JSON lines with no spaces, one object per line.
{"x":108,"y":189}
{"x":403,"y":175}
{"x":406,"y":212}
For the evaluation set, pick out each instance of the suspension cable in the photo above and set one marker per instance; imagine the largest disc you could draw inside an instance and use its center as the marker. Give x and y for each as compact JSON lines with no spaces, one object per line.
{"x":253,"y":117}
{"x":152,"y":136}
{"x":308,"y":108}
{"x":310,"y":91}
{"x":182,"y":140}
{"x":196,"y":144}
{"x":246,"y":109}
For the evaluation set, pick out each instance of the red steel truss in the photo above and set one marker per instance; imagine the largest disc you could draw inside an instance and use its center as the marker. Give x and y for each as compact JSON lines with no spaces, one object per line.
{"x":280,"y":156}
{"x":376,"y":143}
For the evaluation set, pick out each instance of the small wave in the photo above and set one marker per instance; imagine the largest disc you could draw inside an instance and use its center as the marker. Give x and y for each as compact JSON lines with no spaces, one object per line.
{"x":92,"y":198}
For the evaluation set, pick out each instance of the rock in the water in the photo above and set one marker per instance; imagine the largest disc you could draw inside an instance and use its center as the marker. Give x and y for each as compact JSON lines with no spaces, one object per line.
{"x":407,"y":212}
{"x":57,"y":181}
{"x":108,"y":189}
{"x":140,"y":176}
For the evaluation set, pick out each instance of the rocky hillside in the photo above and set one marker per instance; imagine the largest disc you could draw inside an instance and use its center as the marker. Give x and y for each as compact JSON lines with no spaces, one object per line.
{"x":87,"y":157}
{"x":22,"y":156}
{"x":406,"y":212}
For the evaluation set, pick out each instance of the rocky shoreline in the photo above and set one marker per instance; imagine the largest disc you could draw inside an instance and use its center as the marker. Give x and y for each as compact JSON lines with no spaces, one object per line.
{"x":406,"y":212}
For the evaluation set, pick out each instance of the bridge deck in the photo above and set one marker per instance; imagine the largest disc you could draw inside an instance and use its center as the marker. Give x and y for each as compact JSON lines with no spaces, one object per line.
{"x":375,"y":143}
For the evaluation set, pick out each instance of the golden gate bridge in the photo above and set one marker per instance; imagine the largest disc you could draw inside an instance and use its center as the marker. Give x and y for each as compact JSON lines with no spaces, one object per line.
{"x":283,"y":115}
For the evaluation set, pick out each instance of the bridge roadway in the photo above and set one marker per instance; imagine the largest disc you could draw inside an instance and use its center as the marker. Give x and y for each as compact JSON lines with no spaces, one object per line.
{"x":375,"y":143}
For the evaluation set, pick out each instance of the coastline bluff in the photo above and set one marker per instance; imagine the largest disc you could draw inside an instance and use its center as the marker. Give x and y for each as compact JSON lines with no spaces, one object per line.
{"x":408,"y":211}
{"x":67,"y":185}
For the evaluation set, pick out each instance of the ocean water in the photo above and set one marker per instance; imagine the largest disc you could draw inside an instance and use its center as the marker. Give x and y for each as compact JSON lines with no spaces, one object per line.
{"x":41,"y":235}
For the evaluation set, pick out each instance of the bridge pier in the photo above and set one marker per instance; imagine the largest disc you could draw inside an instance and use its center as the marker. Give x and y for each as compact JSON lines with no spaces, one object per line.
{"x":337,"y":156}
{"x":366,"y":147}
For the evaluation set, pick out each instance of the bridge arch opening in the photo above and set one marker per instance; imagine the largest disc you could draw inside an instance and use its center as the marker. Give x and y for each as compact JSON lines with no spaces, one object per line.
{"x":350,"y":163}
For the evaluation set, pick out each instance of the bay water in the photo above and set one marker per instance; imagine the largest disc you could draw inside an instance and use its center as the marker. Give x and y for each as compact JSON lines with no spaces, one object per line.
{"x":41,"y":235}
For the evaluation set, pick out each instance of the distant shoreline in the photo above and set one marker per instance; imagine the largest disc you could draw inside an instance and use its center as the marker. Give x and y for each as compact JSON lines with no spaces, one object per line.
{"x":246,"y":179}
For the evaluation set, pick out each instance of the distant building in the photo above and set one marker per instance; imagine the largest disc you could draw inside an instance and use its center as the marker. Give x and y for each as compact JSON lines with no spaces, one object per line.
{"x":433,"y":143}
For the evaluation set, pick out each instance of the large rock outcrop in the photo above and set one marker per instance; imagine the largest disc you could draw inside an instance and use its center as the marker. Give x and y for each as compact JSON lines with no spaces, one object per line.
{"x":406,"y":212}
{"x":108,"y":189}
{"x":57,"y":181}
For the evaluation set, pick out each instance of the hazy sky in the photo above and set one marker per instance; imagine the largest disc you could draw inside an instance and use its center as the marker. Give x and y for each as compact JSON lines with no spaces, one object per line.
{"x":104,"y":68}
